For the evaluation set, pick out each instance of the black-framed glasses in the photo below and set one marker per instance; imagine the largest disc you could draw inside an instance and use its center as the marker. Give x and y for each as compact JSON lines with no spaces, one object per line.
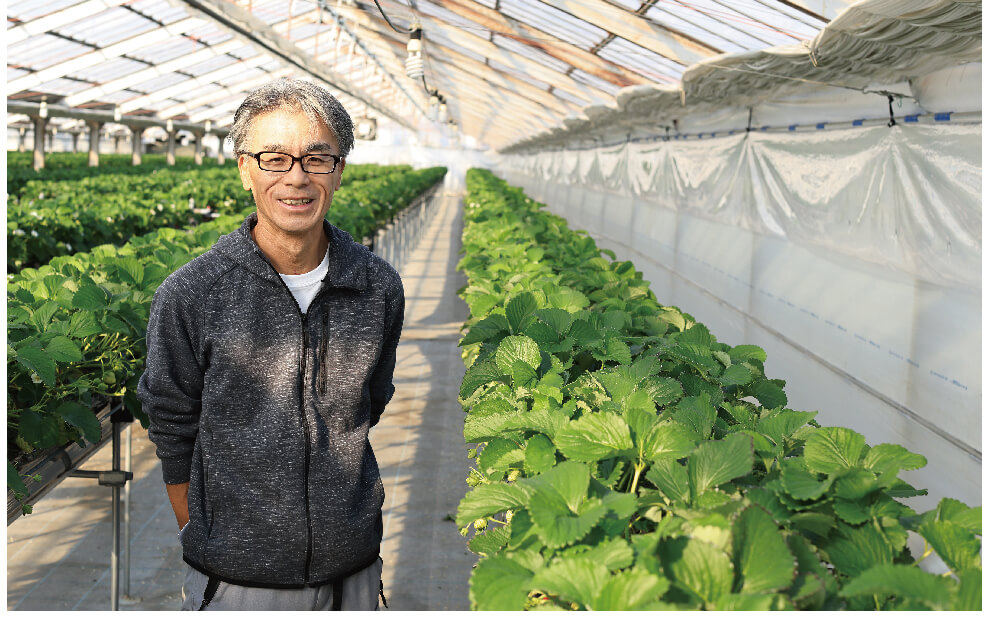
{"x":311,"y":163}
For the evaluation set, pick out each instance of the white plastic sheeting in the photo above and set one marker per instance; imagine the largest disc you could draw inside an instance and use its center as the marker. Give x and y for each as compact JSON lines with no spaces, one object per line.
{"x":852,"y":255}
{"x":906,"y":197}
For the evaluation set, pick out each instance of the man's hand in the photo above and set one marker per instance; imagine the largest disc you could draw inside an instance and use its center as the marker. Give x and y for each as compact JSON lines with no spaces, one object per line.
{"x":178,"y":494}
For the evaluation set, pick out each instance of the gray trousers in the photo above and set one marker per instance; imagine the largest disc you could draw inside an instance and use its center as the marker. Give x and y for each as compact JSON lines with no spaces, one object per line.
{"x":360,"y":593}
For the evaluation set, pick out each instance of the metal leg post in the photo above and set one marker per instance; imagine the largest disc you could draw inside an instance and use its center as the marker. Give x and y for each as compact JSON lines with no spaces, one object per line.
{"x":115,"y":554}
{"x":126,"y":513}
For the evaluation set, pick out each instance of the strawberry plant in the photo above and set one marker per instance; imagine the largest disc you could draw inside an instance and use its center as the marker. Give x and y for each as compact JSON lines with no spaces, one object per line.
{"x":50,"y":218}
{"x":76,"y":326}
{"x":627,"y":460}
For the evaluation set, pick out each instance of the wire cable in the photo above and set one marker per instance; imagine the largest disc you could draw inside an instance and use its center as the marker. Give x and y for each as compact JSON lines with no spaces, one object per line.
{"x":384,"y":15}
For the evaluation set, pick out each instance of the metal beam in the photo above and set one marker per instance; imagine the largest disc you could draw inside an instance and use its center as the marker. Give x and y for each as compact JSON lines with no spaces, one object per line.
{"x":58,"y":19}
{"x":97,"y":56}
{"x":247,"y":25}
{"x":636,"y":29}
{"x":485,"y":48}
{"x":497,"y":79}
{"x":542,"y":41}
{"x":61,"y":111}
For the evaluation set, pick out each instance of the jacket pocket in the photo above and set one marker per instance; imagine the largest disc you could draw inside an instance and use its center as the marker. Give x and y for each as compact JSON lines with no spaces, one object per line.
{"x":323,"y":377}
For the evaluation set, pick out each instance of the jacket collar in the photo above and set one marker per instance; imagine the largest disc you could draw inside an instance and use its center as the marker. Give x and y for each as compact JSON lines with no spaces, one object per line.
{"x":347,"y":259}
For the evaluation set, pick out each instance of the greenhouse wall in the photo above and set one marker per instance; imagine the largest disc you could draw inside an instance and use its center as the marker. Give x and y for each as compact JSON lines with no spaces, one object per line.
{"x":851,"y":255}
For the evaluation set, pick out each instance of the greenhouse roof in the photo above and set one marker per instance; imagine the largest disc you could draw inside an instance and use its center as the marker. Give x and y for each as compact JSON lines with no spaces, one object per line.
{"x":509,"y":70}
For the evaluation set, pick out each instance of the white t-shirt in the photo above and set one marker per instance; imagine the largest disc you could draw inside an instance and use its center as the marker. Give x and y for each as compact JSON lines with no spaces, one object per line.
{"x":305,"y":286}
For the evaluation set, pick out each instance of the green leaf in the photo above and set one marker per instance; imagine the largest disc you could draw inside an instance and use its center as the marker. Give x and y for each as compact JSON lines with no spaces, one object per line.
{"x":955,"y":511}
{"x":487,"y":500}
{"x":573,"y":579}
{"x":696,"y":413}
{"x":855,"y":549}
{"x":521,"y":311}
{"x":667,"y":440}
{"x":761,"y":557}
{"x":130,"y":270}
{"x":672,"y":478}
{"x":780,"y":425}
{"x":615,"y":554}
{"x":499,"y":455}
{"x":614,"y":350}
{"x":479,"y":374}
{"x":856,"y":484}
{"x":539,"y":455}
{"x":485,"y":329}
{"x":37,"y":429}
{"x":593,"y":437}
{"x":64,"y":349}
{"x":753,"y":602}
{"x":891,"y":458}
{"x":970,"y":595}
{"x":485,"y":427}
{"x":801,"y":483}
{"x":481,"y":305}
{"x":714,"y":462}
{"x":559,"y":506}
{"x":518,"y":348}
{"x":82,"y":418}
{"x":736,"y":375}
{"x":584,"y":333}
{"x":958,"y":547}
{"x":499,"y":583}
{"x":769,"y":394}
{"x":33,"y":358}
{"x":852,"y":512}
{"x":631,"y":590}
{"x":43,"y":314}
{"x":664,"y":390}
{"x":742,"y":353}
{"x":813,"y":522}
{"x":14,"y":481}
{"x":491,"y":541}
{"x":558,"y":319}
{"x":900,"y":581}
{"x":568,"y":300}
{"x":831,"y":449}
{"x":697,"y":567}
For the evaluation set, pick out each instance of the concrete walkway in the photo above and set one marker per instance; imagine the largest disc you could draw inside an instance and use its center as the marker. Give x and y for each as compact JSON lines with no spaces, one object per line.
{"x":58,"y":558}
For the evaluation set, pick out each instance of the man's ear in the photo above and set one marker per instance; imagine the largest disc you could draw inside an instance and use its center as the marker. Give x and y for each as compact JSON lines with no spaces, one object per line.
{"x":241,"y":163}
{"x":339,"y":180}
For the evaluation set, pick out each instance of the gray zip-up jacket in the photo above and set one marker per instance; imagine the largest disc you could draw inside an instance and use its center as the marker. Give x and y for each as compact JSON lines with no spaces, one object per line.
{"x":265,"y":411}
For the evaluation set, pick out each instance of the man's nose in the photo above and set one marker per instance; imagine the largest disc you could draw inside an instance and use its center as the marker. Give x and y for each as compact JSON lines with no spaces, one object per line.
{"x":296,"y":175}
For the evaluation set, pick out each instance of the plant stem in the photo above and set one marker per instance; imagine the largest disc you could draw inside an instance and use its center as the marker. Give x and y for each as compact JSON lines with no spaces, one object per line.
{"x":638,"y":468}
{"x":876,"y":602}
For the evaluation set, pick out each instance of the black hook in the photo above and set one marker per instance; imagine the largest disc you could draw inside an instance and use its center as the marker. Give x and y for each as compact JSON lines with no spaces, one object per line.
{"x":891,"y":110}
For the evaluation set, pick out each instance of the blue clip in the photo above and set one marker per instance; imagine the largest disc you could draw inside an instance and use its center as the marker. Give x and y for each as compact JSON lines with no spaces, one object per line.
{"x":821,"y":126}
{"x":943,"y":117}
{"x":791,"y":127}
{"x":764,"y":128}
{"x":911,"y":118}
{"x":858,"y":123}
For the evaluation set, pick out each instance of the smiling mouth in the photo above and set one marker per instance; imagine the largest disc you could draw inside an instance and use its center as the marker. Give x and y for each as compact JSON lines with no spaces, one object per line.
{"x":296,"y":202}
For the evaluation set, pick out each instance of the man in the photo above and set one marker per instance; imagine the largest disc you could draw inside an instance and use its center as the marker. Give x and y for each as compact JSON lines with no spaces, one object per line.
{"x":269,"y":359}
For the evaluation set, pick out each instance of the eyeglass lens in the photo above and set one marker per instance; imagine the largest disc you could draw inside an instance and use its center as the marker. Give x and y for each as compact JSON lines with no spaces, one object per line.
{"x":311,"y":163}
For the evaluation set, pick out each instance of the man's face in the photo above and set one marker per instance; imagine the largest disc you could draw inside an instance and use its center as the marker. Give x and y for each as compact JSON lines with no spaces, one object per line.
{"x":292,"y":202}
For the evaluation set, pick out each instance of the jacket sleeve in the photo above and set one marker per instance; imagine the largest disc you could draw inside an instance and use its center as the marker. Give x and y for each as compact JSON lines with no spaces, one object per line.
{"x":170,"y":390}
{"x":381,"y":382}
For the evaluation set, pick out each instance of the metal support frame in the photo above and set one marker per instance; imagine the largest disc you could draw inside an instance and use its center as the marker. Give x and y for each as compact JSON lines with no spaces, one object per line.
{"x":116,"y":478}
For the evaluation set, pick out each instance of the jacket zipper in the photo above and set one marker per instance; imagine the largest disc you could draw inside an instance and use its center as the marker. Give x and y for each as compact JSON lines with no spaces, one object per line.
{"x":308,"y":442}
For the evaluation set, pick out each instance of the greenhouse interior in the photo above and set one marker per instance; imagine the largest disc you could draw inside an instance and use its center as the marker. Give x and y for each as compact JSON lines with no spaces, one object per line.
{"x":692,"y":310}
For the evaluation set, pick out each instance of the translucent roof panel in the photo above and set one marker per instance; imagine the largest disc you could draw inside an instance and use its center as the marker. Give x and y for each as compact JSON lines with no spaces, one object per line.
{"x":159,"y":83}
{"x":108,"y":27}
{"x":14,"y":73}
{"x":247,"y":51}
{"x":245,"y":75}
{"x":749,"y":17}
{"x":44,"y":50}
{"x":63,"y":87}
{"x":701,"y":27}
{"x":595,"y":81}
{"x":553,"y":21}
{"x":25,"y":10}
{"x":209,"y":34}
{"x":191,"y":95}
{"x":643,"y":61}
{"x":449,"y":17}
{"x":109,"y":70}
{"x":445,"y":42}
{"x":209,"y":65}
{"x":164,"y":12}
{"x":166,"y":50}
{"x":531,"y":53}
{"x":503,"y":68}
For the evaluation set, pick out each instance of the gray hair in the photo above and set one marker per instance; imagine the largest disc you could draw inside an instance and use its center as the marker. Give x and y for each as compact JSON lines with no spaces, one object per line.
{"x":314,"y":100}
